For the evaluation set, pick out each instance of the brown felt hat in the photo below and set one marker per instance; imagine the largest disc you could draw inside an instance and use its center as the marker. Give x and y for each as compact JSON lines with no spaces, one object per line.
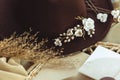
{"x":52,"y":17}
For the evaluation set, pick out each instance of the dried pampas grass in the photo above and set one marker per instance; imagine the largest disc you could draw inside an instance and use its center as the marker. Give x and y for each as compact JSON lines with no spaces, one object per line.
{"x":26,"y":47}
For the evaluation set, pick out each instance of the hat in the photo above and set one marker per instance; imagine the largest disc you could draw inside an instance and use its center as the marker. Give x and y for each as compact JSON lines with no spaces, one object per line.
{"x":51,"y":18}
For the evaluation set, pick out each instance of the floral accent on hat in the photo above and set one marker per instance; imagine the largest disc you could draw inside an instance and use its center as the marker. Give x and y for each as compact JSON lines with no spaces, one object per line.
{"x":69,"y":32}
{"x":102,"y":17}
{"x":76,"y":32}
{"x":89,"y":26}
{"x":116,"y":15}
{"x":79,"y":33}
{"x":58,"y":42}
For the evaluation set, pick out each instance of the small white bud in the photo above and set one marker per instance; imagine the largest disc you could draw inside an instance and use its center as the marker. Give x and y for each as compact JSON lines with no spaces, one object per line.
{"x":60,"y":34}
{"x":93,"y":32}
{"x":65,"y":41}
{"x":69,"y":40}
{"x":64,"y":34}
{"x":90,"y":35}
{"x":72,"y":37}
{"x":78,"y":25}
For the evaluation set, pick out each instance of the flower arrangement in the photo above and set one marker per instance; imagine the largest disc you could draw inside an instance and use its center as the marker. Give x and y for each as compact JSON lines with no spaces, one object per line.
{"x":77,"y":31}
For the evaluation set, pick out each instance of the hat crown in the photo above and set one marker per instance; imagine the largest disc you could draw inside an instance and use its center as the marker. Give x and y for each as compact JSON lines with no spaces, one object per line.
{"x":50,"y":16}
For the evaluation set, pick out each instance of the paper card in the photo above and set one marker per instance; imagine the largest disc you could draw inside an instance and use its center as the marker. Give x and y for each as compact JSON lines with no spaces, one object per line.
{"x":102,"y":63}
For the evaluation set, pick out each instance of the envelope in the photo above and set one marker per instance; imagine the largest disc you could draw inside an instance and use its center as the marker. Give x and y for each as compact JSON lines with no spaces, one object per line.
{"x":102,"y":63}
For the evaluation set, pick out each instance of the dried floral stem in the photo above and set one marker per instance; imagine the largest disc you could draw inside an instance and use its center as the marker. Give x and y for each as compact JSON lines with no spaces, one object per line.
{"x":26,"y":46}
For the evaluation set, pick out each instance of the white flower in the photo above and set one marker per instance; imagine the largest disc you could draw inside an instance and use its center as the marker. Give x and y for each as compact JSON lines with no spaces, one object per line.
{"x":58,"y":42}
{"x":70,"y":32}
{"x":68,"y":40}
{"x":78,"y":26}
{"x":118,"y":19}
{"x":102,"y":17}
{"x":88,"y":24}
{"x":115,"y":13}
{"x":78,"y":33}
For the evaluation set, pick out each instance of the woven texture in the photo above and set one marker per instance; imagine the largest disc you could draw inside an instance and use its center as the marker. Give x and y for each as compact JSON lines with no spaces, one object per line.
{"x":112,"y":46}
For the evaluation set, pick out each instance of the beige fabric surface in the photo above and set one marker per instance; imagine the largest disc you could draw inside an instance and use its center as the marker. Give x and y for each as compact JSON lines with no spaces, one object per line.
{"x":11,"y":69}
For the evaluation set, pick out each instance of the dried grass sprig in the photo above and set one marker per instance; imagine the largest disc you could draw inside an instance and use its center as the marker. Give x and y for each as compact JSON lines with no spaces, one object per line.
{"x":26,"y":46}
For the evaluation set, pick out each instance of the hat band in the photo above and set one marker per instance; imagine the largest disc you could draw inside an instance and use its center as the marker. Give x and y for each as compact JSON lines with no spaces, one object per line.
{"x":78,"y":31}
{"x":102,"y":14}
